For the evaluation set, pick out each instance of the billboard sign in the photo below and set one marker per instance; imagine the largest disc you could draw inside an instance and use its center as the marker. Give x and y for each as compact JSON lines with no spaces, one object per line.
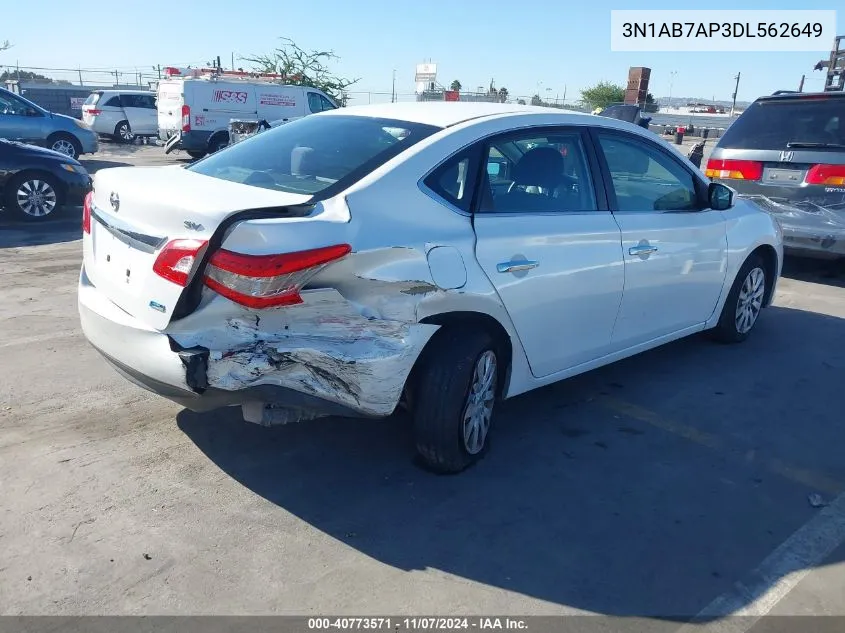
{"x":426,"y":73}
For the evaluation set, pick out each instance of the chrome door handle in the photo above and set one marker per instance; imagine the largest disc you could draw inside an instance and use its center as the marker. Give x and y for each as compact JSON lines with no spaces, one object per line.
{"x":515,"y":267}
{"x":643,"y":249}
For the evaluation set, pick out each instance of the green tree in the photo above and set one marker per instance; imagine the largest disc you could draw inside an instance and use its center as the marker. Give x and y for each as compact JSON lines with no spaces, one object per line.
{"x":22,"y":75}
{"x":300,"y":67}
{"x":503,"y":94}
{"x":456,"y":86}
{"x":521,"y":101}
{"x":536,"y":100}
{"x":650,"y":103}
{"x":603,"y":94}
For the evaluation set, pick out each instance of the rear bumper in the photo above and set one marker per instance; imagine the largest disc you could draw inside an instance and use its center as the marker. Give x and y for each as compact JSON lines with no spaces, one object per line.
{"x":193,"y":141}
{"x":809,"y":229}
{"x":298,"y":360}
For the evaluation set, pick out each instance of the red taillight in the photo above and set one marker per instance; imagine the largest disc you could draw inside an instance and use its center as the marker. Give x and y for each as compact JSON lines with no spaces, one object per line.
{"x":86,"y":212}
{"x":176,"y":260}
{"x":833,"y":175}
{"x":262,"y":281}
{"x":186,"y":118}
{"x":93,"y":112}
{"x":736,"y":169}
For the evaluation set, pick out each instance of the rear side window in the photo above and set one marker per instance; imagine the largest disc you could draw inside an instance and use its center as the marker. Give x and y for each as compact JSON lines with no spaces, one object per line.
{"x":93,"y":98}
{"x":313,"y":154}
{"x":114,"y":102}
{"x":772,"y":124}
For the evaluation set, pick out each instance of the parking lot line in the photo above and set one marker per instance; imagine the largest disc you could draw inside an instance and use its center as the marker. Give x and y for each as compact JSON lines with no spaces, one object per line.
{"x":812,"y":479}
{"x":776,"y":576}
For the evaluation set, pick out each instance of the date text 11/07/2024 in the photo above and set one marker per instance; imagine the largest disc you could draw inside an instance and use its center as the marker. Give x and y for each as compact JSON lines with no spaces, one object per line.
{"x":723,"y":29}
{"x":433,"y":624}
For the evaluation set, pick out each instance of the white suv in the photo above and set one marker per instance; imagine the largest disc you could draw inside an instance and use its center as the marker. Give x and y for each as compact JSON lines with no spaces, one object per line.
{"x":121,"y":114}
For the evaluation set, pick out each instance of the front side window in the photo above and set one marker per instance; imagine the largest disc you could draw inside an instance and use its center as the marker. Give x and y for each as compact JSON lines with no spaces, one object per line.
{"x":311,"y":154}
{"x":645,"y":179}
{"x":314,"y":103}
{"x":13,"y":106}
{"x":531,"y":173}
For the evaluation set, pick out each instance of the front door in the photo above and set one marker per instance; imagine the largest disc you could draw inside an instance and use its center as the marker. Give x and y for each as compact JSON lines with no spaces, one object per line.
{"x":19,"y":121}
{"x":141,"y":113}
{"x":675,"y":248}
{"x":549,"y":245}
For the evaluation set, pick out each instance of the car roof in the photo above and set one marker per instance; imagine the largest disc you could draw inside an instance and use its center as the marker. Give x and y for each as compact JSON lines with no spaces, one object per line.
{"x":444,"y":113}
{"x":802,"y":96}
{"x":123,"y":92}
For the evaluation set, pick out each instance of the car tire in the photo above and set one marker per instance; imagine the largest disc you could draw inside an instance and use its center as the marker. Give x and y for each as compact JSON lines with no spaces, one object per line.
{"x":217,"y":143}
{"x":458,"y":373}
{"x":50,"y":197}
{"x":744,"y":302}
{"x":123,"y":132}
{"x":196,"y":155}
{"x":65,"y":144}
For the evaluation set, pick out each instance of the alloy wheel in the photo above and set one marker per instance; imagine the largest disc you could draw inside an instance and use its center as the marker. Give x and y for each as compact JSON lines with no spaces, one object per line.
{"x":478,"y":410}
{"x":36,"y":198}
{"x":750,"y":300}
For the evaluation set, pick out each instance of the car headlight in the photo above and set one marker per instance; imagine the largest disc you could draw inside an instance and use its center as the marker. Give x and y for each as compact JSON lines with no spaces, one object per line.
{"x":76,"y":169}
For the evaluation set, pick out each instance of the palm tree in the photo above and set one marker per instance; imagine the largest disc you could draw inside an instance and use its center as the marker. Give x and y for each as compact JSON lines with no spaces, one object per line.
{"x":456,"y":86}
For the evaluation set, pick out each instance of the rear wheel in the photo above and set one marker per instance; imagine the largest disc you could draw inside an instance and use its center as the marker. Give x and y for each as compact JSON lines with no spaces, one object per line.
{"x":123,"y":132}
{"x":744,"y":303}
{"x":454,"y":394}
{"x":33,"y":197}
{"x":217,"y":143}
{"x":64,"y":144}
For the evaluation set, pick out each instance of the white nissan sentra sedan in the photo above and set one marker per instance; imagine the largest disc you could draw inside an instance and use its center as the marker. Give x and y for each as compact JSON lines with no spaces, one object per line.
{"x":439,"y":256}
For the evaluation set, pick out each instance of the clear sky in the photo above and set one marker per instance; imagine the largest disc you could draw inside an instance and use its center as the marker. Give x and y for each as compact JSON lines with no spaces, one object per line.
{"x":560,"y":45}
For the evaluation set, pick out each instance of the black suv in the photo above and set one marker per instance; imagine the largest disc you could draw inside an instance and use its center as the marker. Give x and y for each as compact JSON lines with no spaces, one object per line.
{"x":787,"y":153}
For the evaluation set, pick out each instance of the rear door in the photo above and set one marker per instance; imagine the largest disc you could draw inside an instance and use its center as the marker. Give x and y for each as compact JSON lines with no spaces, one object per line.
{"x":674,"y":247}
{"x":169,"y":102}
{"x":547,"y":242}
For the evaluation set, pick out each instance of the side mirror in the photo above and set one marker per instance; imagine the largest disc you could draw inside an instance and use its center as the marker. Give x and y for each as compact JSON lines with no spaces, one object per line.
{"x":493,"y":169}
{"x":32,"y":112}
{"x":721,"y":197}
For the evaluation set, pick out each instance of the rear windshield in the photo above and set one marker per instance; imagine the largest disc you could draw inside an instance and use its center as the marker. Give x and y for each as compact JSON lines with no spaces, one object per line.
{"x":93,"y":98}
{"x":311,"y":154}
{"x":773,"y":124}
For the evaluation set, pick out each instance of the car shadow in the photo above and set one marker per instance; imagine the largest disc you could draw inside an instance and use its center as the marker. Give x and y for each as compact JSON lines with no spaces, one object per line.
{"x":92,"y":165}
{"x":64,"y":225}
{"x":830,"y":273}
{"x":575,"y":504}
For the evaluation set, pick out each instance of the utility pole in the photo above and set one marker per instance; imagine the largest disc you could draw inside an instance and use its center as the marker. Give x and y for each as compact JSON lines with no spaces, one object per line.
{"x":233,"y":60}
{"x":672,"y":76}
{"x":736,"y":90}
{"x":564,"y":93}
{"x":116,"y":79}
{"x":801,"y":85}
{"x":393,"y":92}
{"x":80,"y":76}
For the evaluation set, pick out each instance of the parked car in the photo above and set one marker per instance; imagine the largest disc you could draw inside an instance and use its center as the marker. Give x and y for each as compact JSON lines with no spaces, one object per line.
{"x":786,"y":152}
{"x":194,"y":113}
{"x":22,"y":120}
{"x":439,"y":255}
{"x":121,"y":114}
{"x":36,"y":182}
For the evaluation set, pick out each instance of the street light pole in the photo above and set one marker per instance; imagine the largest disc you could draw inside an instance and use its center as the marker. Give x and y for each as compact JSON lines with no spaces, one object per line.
{"x":736,"y":90}
{"x":671,"y":84}
{"x":393,"y":93}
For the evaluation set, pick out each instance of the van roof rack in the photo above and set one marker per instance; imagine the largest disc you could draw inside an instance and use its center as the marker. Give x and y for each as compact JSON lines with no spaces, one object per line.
{"x":175,"y":72}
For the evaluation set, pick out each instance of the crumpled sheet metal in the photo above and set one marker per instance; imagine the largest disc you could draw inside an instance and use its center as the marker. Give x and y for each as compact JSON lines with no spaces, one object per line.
{"x":806,"y":224}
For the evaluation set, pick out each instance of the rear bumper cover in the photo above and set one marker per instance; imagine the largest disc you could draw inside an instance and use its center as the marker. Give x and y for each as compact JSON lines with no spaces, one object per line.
{"x":808,"y":228}
{"x":322,"y":357}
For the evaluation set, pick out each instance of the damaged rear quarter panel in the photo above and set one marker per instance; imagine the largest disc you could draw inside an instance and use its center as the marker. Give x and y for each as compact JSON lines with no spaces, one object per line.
{"x":324,"y":347}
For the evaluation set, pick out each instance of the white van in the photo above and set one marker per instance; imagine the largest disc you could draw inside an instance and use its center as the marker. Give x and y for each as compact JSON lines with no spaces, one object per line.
{"x":194,"y":112}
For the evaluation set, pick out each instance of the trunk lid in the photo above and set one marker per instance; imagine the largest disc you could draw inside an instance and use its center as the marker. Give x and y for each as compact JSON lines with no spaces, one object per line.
{"x":136,"y":211}
{"x":169,"y":102}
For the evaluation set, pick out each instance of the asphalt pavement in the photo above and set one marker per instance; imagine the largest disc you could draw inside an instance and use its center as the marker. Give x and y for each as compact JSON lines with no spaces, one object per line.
{"x":696,"y":479}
